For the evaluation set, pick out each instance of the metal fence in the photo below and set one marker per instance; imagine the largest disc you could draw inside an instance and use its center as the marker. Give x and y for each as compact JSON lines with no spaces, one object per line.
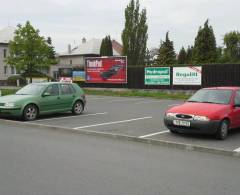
{"x":212,"y":75}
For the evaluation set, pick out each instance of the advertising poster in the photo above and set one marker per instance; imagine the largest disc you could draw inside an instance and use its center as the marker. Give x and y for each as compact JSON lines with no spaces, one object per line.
{"x":65,"y":79}
{"x":157,"y":76}
{"x":106,"y":70}
{"x":191,"y":75}
{"x":78,"y":75}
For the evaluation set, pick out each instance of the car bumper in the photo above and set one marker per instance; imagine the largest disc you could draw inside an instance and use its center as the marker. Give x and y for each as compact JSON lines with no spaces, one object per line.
{"x":198,"y":127}
{"x":10,"y":111}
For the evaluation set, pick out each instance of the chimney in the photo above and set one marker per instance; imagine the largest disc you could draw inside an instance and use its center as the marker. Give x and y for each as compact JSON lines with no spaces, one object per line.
{"x":84,"y":40}
{"x":69,"y":48}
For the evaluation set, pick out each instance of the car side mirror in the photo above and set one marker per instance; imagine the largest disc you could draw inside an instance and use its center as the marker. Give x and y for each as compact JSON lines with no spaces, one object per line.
{"x":45,"y":94}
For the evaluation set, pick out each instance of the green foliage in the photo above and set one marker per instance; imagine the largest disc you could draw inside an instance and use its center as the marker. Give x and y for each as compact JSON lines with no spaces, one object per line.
{"x":29,"y":50}
{"x":166,"y":55}
{"x":14,"y":79}
{"x":134,"y":35}
{"x":189,"y":55}
{"x":52,"y":53}
{"x":232,"y":44}
{"x":106,"y":47}
{"x":182,"y":56}
{"x":205,"y":50}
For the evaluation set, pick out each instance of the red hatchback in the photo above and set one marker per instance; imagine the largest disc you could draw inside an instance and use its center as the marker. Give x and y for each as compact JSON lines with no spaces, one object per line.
{"x":209,"y":111}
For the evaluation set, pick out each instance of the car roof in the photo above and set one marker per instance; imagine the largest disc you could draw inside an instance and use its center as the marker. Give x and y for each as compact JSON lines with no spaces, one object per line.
{"x":224,"y":88}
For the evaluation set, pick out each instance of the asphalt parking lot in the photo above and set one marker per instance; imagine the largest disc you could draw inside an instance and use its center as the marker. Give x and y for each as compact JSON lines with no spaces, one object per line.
{"x":134,"y":116}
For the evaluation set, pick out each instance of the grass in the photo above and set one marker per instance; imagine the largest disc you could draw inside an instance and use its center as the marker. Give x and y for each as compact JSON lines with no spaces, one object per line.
{"x":8,"y":91}
{"x":124,"y":93}
{"x":138,"y":93}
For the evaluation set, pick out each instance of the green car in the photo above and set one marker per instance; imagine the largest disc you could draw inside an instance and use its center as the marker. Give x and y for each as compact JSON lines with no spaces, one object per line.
{"x":43,"y":98}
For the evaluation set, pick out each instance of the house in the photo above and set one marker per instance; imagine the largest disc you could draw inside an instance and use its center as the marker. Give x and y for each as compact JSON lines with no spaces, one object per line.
{"x":6,"y":35}
{"x":75,"y":57}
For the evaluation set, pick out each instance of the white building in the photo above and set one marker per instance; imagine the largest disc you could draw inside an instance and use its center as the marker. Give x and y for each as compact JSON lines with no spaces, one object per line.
{"x":75,"y":57}
{"x":6,"y":35}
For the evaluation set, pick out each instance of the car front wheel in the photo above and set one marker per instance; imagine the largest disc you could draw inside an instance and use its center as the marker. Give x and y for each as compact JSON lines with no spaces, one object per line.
{"x":30,"y":112}
{"x":77,"y":108}
{"x":222,"y":131}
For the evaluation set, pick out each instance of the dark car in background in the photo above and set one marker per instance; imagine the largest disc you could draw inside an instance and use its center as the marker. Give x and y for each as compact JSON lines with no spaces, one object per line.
{"x":209,"y":111}
{"x":111,"y":72}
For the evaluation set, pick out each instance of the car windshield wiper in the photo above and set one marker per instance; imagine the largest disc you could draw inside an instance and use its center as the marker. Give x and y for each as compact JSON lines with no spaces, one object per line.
{"x":211,"y":102}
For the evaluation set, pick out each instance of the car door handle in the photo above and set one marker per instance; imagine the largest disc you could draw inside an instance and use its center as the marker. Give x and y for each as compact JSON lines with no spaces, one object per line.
{"x":73,"y":96}
{"x":58,"y":98}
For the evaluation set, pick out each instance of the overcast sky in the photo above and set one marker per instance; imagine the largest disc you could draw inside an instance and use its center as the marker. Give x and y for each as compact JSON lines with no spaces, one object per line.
{"x":68,"y":21}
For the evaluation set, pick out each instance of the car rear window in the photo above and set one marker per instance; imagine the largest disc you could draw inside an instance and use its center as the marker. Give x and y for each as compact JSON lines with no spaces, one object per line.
{"x":217,"y":96}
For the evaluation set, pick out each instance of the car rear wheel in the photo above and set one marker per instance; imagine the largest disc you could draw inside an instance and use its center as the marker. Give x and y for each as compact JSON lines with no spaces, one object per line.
{"x":77,"y":108}
{"x":222,"y":131}
{"x":30,"y":112}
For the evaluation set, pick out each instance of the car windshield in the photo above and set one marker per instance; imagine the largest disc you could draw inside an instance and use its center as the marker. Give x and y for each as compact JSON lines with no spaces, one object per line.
{"x":32,"y":89}
{"x":215,"y":96}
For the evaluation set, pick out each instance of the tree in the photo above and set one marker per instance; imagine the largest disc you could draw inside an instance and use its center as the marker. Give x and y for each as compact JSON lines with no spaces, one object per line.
{"x":232,"y":47}
{"x":182,"y":56}
{"x":166,"y":53}
{"x":52,"y":53}
{"x":28,"y":50}
{"x":106,"y":47}
{"x":189,"y":55}
{"x":205,"y":49}
{"x":134,"y":35}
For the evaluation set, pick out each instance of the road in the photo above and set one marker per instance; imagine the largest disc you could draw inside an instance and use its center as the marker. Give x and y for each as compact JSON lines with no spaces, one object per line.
{"x":50,"y":162}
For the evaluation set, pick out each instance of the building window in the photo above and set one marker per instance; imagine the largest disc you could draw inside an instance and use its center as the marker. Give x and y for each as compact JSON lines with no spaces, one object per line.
{"x":5,"y":69}
{"x":71,"y":62}
{"x":12,"y":70}
{"x":4,"y":53}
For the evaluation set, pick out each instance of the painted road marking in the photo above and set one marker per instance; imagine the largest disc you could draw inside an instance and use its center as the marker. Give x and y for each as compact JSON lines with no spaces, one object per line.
{"x":123,"y":100}
{"x":148,"y":102}
{"x":237,"y":150}
{"x":99,"y":98}
{"x":83,"y":115}
{"x":114,"y":122}
{"x":149,"y":135}
{"x":173,"y":105}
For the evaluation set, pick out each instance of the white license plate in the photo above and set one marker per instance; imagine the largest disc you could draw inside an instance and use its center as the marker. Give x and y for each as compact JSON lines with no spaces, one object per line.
{"x":181,"y":123}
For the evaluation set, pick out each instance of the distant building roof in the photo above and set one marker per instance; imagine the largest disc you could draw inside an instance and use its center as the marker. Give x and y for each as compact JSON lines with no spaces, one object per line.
{"x":7,"y":34}
{"x":91,"y":47}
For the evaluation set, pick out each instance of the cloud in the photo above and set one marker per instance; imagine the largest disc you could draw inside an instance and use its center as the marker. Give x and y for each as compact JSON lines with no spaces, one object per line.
{"x":67,"y":21}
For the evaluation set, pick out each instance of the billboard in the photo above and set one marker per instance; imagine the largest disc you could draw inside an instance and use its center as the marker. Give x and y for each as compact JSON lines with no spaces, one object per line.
{"x":78,"y":75}
{"x":157,"y":76}
{"x":191,"y":75}
{"x":106,"y":70}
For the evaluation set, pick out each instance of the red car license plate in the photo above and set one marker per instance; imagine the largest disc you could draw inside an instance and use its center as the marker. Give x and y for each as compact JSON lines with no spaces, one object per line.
{"x":181,"y":123}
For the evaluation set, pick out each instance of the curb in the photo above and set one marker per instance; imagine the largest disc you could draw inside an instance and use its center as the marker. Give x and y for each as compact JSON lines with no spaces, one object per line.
{"x":183,"y":146}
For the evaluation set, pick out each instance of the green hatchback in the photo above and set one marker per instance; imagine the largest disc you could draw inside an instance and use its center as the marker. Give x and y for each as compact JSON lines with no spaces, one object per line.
{"x":43,"y":98}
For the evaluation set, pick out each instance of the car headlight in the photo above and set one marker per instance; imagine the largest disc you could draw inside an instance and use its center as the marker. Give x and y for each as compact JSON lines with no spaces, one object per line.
{"x":9,"y":104}
{"x":201,"y":118}
{"x":170,"y":115}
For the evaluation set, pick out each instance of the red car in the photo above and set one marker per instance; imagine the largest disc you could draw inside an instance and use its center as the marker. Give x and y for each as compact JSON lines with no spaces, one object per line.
{"x":210,"y":111}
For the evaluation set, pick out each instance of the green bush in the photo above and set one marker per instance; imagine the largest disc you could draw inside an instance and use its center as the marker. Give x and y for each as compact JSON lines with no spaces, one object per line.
{"x":13,"y":80}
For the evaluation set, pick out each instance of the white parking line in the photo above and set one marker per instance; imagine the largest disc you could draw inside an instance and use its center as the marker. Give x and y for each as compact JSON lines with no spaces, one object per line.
{"x":148,"y":102}
{"x":114,"y":122}
{"x":123,"y":100}
{"x":237,"y":150}
{"x":99,"y":98}
{"x":83,"y":115}
{"x":149,"y":135}
{"x":173,"y":105}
